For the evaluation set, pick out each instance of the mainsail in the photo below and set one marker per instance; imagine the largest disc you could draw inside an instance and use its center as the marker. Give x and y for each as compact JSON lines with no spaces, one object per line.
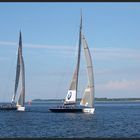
{"x":17,"y":68}
{"x":20,"y":76}
{"x":88,"y":96}
{"x":72,"y":92}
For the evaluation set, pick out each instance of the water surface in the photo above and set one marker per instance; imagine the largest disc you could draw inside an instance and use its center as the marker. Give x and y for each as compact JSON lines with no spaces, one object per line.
{"x":111,"y":120}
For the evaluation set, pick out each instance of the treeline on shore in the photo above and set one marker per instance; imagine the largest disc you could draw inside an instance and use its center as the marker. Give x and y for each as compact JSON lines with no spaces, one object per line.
{"x":96,"y":99}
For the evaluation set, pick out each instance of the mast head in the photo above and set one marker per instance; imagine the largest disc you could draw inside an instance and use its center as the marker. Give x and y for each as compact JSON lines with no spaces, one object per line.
{"x":20,"y":39}
{"x":81,"y":19}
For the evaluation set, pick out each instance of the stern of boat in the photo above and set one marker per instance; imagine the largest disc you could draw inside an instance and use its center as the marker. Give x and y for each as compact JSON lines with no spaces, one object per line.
{"x":89,"y":110}
{"x":20,"y":108}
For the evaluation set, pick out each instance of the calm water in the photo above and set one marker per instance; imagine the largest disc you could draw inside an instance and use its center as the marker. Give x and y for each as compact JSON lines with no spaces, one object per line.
{"x":111,"y":119}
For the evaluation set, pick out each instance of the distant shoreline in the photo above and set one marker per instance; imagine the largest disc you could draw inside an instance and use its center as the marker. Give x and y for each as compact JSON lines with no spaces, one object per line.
{"x":96,"y":99}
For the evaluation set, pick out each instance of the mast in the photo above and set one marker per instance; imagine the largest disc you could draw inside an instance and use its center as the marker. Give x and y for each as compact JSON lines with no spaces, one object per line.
{"x":79,"y":54}
{"x":20,"y":43}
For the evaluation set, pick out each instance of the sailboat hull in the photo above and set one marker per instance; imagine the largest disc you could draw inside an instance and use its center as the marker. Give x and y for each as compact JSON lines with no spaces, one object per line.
{"x":73,"y":110}
{"x":20,"y":108}
{"x":89,"y":110}
{"x":8,"y":107}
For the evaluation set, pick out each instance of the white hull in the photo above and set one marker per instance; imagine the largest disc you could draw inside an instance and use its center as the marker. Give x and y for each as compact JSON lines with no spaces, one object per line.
{"x":20,"y":108}
{"x":89,"y":110}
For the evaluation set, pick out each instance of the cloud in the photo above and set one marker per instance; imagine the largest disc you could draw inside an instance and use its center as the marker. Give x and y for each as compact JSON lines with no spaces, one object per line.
{"x":101,"y":53}
{"x":8,"y":43}
{"x":59,"y":49}
{"x":119,"y":85}
{"x":52,"y":47}
{"x":113,"y":53}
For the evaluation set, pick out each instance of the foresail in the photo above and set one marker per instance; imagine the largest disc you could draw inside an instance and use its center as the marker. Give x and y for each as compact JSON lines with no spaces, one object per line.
{"x":71,"y":95}
{"x":88,"y":97}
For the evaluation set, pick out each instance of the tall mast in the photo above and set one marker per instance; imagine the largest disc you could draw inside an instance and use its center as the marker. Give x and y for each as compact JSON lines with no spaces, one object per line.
{"x":20,"y":42}
{"x":79,"y":53}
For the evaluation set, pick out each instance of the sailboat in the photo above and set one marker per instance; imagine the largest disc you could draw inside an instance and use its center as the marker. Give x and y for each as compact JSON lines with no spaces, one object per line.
{"x":87,"y":101}
{"x":20,"y":79}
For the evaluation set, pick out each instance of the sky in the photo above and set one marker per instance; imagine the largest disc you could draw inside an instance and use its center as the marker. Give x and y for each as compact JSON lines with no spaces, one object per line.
{"x":50,"y":38}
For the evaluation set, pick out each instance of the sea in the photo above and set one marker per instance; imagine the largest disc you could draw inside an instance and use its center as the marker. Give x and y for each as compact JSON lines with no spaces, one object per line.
{"x":111,"y":119}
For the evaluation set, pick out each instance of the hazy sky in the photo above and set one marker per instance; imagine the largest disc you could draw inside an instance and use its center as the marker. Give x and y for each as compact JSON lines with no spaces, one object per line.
{"x":50,"y":37}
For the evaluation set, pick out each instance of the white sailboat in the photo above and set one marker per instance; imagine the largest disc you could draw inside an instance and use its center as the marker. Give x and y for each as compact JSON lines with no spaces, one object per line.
{"x":87,"y":101}
{"x":20,"y":79}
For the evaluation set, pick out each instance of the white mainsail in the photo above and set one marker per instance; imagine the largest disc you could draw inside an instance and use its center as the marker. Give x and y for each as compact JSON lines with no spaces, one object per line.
{"x":88,"y":96}
{"x":20,"y":77}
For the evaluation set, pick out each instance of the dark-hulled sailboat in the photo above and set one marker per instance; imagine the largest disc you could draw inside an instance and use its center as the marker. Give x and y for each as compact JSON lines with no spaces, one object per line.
{"x":87,"y":101}
{"x":20,"y":78}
